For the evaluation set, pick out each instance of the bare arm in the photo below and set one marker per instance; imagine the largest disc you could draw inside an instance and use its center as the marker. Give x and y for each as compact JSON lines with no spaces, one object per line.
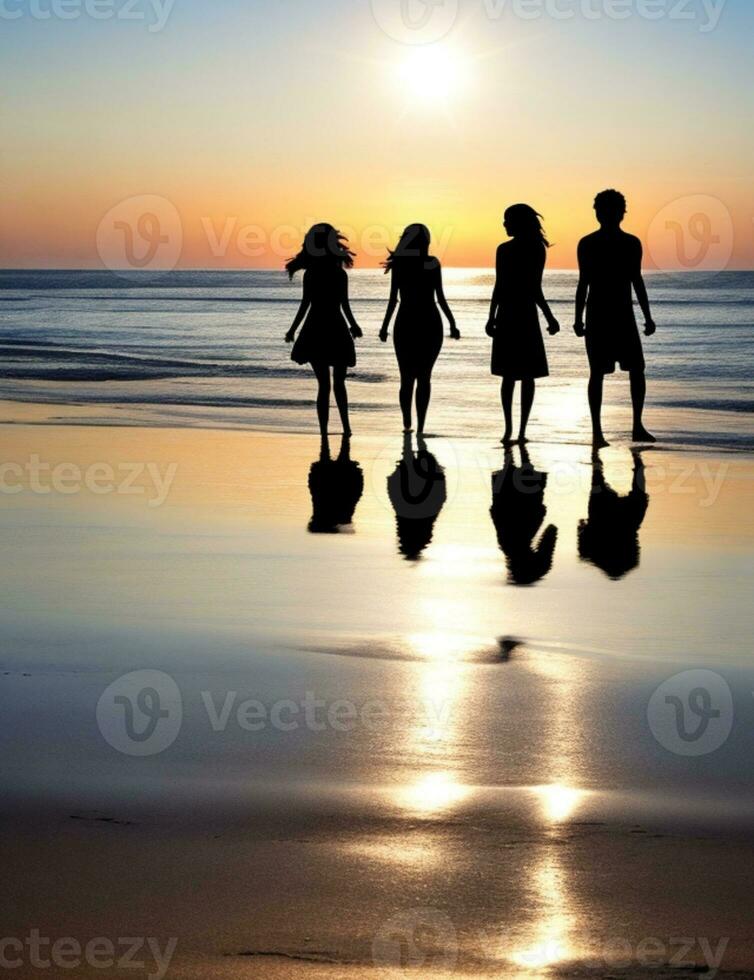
{"x":582,"y":291}
{"x":495,"y":302}
{"x":392,"y":304}
{"x":553,"y":326}
{"x":443,"y":304}
{"x":346,"y":307}
{"x":640,"y":289}
{"x":302,"y":311}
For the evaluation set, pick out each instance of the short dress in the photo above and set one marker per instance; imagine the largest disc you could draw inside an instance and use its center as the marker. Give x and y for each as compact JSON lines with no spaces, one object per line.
{"x":518,"y":349}
{"x":324,"y":337}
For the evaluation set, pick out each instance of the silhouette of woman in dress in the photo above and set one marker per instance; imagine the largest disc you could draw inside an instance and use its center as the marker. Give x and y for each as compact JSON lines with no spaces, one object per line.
{"x":418,"y":493}
{"x":336,"y":487}
{"x":518,"y":511}
{"x":518,"y":350}
{"x":326,"y":338}
{"x":416,"y":282}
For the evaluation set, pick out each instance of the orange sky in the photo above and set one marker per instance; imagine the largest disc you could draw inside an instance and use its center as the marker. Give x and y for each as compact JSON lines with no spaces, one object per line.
{"x":254,"y":125}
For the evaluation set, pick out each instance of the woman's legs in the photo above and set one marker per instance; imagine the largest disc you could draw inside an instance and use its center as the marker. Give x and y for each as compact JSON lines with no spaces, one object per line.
{"x":322,"y":372}
{"x":527,"y":400}
{"x":408,"y":380}
{"x":506,"y":394}
{"x":341,"y":397}
{"x":423,"y":395}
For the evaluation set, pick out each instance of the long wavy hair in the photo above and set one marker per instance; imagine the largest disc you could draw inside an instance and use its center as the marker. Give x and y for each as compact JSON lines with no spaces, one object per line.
{"x":323,"y":245}
{"x":524,"y":222}
{"x":412,"y":247}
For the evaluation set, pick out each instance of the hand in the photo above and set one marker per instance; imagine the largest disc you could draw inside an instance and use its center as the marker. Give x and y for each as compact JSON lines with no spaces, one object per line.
{"x":578,"y":329}
{"x":553,"y":326}
{"x":290,"y":336}
{"x":356,"y":331}
{"x":490,"y":328}
{"x":455,"y":333}
{"x":650,"y":327}
{"x":383,"y":335}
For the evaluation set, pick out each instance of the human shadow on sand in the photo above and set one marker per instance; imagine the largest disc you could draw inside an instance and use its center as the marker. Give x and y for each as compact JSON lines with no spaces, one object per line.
{"x":518,"y":511}
{"x":336,"y":487}
{"x":609,"y":537}
{"x":418,"y":493}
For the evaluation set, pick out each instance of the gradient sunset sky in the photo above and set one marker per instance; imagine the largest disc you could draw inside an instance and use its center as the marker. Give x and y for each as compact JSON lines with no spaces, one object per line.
{"x":276,"y":113}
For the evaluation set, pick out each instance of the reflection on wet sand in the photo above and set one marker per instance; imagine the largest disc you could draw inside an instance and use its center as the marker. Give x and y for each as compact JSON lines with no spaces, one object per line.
{"x":549,"y":938}
{"x":484,"y":812}
{"x":418,"y":493}
{"x":609,"y":537}
{"x":551,"y":934}
{"x":336,"y":487}
{"x":432,"y":793}
{"x":517,"y":511}
{"x":432,"y":739}
{"x":559,"y":802}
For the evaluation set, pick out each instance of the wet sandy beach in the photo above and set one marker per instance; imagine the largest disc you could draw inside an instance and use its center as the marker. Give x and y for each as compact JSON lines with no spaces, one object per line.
{"x":437,"y":740}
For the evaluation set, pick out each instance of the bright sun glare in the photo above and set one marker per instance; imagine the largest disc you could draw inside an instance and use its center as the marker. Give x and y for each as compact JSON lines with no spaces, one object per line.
{"x":435,"y":73}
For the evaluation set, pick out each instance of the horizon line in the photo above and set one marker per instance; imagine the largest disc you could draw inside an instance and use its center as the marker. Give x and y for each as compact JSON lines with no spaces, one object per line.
{"x":375,"y":268}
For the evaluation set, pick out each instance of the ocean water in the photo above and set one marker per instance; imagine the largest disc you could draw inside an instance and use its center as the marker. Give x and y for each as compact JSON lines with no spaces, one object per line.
{"x":206,"y":348}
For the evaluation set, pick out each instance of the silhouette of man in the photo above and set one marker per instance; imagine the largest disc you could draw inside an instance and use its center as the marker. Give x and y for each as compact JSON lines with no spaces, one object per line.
{"x":609,"y":538}
{"x":609,"y":266}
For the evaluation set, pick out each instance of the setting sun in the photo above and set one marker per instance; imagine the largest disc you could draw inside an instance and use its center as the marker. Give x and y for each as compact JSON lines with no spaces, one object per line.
{"x":434,"y":74}
{"x":377,"y":469}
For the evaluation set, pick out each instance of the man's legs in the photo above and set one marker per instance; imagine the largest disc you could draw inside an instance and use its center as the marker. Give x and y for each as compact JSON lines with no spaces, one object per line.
{"x":638,"y":394}
{"x":596,"y":381}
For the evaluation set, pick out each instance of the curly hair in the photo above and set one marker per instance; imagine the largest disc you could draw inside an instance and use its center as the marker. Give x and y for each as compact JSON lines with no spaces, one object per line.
{"x":323,"y":245}
{"x":610,"y":203}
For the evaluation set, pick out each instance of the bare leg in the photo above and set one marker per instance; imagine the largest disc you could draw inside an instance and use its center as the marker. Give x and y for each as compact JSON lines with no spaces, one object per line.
{"x":341,"y":397}
{"x":323,"y":396}
{"x":595,"y":407}
{"x":407,"y":398}
{"x":506,"y":394}
{"x":527,"y":400}
{"x":638,"y":394}
{"x":423,"y":395}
